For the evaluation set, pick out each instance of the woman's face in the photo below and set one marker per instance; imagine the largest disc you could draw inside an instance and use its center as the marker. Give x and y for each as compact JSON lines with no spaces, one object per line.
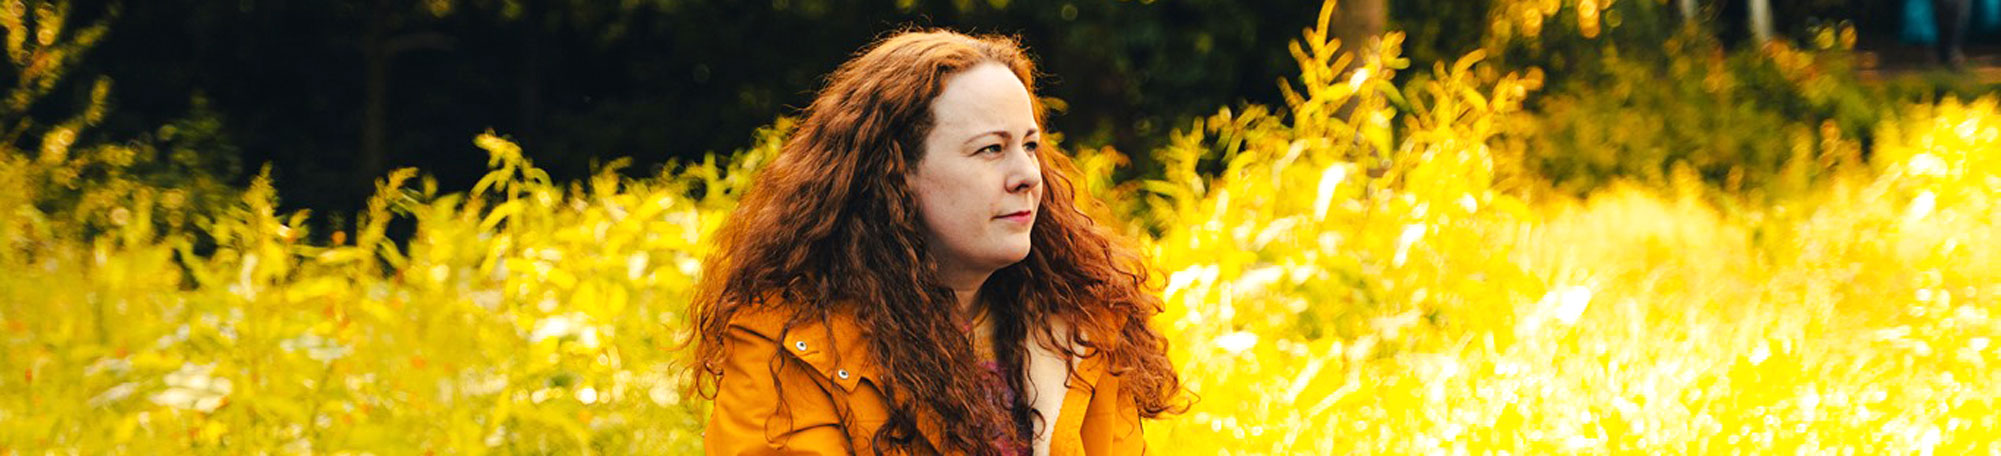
{"x":978,"y":184}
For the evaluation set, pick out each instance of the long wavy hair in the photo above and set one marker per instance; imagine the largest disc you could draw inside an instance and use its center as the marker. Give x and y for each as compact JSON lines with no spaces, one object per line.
{"x":831,"y":227}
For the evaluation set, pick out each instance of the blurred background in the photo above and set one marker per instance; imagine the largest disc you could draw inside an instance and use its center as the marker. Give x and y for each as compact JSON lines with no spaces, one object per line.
{"x":1377,"y":226}
{"x":334,"y":93}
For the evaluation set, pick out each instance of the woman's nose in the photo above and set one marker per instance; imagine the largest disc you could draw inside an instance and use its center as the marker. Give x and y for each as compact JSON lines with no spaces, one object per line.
{"x":1025,"y":174}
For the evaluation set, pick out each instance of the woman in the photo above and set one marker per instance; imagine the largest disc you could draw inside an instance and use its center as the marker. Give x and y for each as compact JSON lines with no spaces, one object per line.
{"x":912,"y":275}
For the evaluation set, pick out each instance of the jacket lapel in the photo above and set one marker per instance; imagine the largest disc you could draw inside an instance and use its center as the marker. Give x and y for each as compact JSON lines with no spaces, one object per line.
{"x":1067,"y":437}
{"x":838,"y":350}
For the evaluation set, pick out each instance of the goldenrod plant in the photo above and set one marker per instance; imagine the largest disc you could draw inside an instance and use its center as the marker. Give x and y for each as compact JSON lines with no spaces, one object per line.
{"x":1370,"y":268}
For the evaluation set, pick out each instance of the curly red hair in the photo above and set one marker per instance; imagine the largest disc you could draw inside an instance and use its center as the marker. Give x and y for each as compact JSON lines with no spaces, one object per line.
{"x":830,"y":227}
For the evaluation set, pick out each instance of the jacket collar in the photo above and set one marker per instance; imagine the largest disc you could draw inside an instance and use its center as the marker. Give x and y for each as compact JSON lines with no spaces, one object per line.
{"x":838,"y":349}
{"x":835,"y":348}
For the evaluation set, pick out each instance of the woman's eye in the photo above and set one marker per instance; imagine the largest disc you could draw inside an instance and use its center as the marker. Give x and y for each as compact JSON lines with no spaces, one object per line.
{"x":994,"y":148}
{"x":1033,"y":146}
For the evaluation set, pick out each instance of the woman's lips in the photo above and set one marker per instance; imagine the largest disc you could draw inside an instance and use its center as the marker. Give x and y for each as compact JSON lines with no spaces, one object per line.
{"x":1019,"y":217}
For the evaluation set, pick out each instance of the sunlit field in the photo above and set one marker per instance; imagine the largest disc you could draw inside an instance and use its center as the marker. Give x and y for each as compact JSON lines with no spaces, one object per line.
{"x":1367,"y":269}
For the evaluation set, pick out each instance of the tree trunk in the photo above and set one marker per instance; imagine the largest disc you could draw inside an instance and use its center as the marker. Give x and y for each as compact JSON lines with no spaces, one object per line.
{"x":375,"y":113}
{"x":1761,"y":20}
{"x":1359,"y":23}
{"x":1687,"y":11}
{"x":528,"y":83}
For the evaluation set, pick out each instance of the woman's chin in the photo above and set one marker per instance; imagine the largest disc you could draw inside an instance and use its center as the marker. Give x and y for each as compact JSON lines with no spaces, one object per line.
{"x":1011,"y":255}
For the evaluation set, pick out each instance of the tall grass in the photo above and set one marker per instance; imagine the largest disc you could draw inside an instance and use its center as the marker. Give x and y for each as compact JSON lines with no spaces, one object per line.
{"x":1368,"y":269}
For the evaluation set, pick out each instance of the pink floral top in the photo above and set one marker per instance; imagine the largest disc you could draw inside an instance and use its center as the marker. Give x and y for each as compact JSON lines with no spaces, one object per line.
{"x":991,"y":370}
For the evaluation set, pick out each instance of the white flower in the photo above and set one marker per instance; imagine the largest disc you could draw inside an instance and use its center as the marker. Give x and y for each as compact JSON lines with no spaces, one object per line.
{"x":193,"y":388}
{"x":1256,"y":280}
{"x":1330,"y":179}
{"x":635,"y":265}
{"x":114,"y":394}
{"x":567,"y":326}
{"x":663,"y":395}
{"x":1760,"y":353}
{"x":1921,"y":206}
{"x":1925,"y":164}
{"x":556,"y":326}
{"x":1411,"y":234}
{"x":318,"y":348}
{"x":689,"y":266}
{"x":1570,"y":302}
{"x":1237,"y":342}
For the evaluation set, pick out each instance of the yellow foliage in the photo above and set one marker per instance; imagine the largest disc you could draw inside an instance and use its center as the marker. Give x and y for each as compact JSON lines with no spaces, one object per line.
{"x":1370,"y":272}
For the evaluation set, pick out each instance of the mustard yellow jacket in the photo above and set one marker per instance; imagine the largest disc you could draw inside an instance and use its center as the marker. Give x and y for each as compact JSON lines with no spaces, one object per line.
{"x":824,"y":372}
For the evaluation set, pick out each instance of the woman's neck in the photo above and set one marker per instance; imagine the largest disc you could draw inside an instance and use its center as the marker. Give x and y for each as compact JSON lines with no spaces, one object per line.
{"x":965,"y":287}
{"x":969,"y":301}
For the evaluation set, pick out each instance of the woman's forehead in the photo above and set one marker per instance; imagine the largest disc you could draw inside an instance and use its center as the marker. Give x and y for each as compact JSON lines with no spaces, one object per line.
{"x":985,"y":97}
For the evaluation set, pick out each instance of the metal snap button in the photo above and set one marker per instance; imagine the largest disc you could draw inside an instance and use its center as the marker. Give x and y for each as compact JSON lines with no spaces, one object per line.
{"x":843,"y":373}
{"x":801,"y":345}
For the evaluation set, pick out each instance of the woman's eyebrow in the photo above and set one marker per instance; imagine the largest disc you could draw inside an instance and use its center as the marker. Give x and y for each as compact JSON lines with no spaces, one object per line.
{"x":1001,"y":133}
